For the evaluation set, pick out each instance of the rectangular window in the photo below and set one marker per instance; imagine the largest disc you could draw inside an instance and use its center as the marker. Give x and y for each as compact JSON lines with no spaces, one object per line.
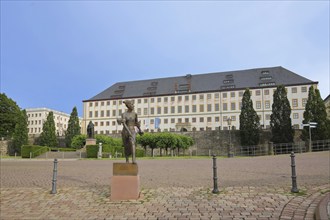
{"x":90,"y":114}
{"x":165,"y":99}
{"x":209,"y":96}
{"x":102,"y":103}
{"x":179,"y":98}
{"x":186,"y":98}
{"x":172,"y":110}
{"x":96,"y":104}
{"x":186,"y":108}
{"x":102,"y":113}
{"x":295,"y":115}
{"x":90,"y":105}
{"x":201,"y":119}
{"x":216,"y":119}
{"x":108,"y":102}
{"x":267,"y":104}
{"x":209,"y":107}
{"x":224,"y":95}
{"x":257,"y":92}
{"x":240,"y":105}
{"x":179,"y":109}
{"x":304,"y":101}
{"x":224,"y":107}
{"x":145,"y":101}
{"x":216,"y":107}
{"x":216,"y":96}
{"x":165,"y":121}
{"x":139,"y":111}
{"x":267,"y":116}
{"x":145,"y":111}
{"x":152,"y":100}
{"x":172,"y":99}
{"x":233,"y":106}
{"x":209,"y":119}
{"x":172,"y":120}
{"x":108,"y":113}
{"x":159,"y":99}
{"x":294,"y":90}
{"x":113,"y":113}
{"x":193,"y":120}
{"x":114,"y":102}
{"x":96,"y":114}
{"x":152,"y":111}
{"x":294,"y":102}
{"x":194,"y":108}
{"x":233,"y":118}
{"x":232,"y":94}
{"x":102,"y":123}
{"x":108,"y":123}
{"x":266,"y":91}
{"x":258,"y":105}
{"x":139,"y":101}
{"x":159,"y":110}
{"x":179,"y":120}
{"x":201,"y":97}
{"x":186,"y":120}
{"x":201,"y":108}
{"x":240,"y":94}
{"x":194,"y":97}
{"x":165,"y":110}
{"x":304,"y":89}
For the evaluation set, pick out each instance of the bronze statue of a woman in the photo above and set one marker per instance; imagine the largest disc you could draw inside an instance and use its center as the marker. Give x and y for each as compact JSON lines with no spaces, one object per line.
{"x":129,"y":119}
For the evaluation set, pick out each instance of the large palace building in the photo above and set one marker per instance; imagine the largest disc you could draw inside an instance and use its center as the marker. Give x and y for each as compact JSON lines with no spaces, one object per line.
{"x":198,"y":102}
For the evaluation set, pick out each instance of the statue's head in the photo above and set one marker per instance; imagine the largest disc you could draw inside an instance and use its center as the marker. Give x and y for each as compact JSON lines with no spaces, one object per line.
{"x":129,"y":104}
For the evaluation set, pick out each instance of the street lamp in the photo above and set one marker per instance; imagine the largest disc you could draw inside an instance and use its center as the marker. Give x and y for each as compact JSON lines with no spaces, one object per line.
{"x":310,"y":125}
{"x":230,"y":153}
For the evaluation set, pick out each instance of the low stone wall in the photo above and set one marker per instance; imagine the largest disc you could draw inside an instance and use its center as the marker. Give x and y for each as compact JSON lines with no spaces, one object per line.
{"x":4,"y":147}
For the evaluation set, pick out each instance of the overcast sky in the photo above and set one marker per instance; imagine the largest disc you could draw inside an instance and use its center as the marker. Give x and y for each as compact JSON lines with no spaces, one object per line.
{"x":56,"y":54}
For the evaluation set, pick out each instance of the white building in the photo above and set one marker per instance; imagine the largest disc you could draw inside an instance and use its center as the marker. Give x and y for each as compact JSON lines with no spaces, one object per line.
{"x":37,"y":117}
{"x":197,"y":102}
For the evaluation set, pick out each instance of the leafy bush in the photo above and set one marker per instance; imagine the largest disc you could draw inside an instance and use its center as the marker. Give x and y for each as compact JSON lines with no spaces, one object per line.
{"x":35,"y":149}
{"x":139,"y":152}
{"x":65,"y":149}
{"x":92,"y":150}
{"x":78,"y":141}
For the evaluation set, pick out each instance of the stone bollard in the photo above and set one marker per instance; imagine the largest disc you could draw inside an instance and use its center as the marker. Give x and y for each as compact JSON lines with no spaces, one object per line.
{"x":215,"y":177}
{"x":99,"y":153}
{"x":294,"y":188}
{"x":54,"y":177}
{"x":270,"y":148}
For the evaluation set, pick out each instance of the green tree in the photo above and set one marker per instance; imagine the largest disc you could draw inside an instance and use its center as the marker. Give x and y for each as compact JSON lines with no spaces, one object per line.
{"x":48,"y":134}
{"x":280,"y":120}
{"x":315,"y":111}
{"x":20,"y":136}
{"x":78,"y":141}
{"x":73,"y":127}
{"x":9,"y":114}
{"x":183,"y":142}
{"x":166,"y":141}
{"x":150,"y":140}
{"x":249,"y":122}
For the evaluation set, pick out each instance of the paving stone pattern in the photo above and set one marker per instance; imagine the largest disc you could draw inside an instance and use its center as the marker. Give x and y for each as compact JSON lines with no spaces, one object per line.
{"x":250,"y":188}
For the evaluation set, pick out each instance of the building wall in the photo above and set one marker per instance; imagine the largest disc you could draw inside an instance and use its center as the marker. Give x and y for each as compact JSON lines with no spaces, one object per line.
{"x":192,"y":112}
{"x":37,"y":117}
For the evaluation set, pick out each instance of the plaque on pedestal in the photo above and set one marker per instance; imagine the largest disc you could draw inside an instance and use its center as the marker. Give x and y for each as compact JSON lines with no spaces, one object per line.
{"x":125,"y":182}
{"x":90,"y":141}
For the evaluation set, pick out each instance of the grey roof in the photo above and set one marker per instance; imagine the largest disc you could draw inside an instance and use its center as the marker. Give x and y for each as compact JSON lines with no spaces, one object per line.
{"x":197,"y":83}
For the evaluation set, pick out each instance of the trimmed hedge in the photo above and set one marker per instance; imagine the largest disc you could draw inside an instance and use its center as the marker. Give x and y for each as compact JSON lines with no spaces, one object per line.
{"x":107,"y":149}
{"x":35,"y":149}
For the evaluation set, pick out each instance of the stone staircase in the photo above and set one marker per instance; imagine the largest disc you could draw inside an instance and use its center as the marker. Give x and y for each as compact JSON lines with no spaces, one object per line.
{"x":63,"y":155}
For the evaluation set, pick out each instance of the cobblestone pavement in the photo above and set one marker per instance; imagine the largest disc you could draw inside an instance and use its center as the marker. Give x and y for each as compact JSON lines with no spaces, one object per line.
{"x":250,"y":188}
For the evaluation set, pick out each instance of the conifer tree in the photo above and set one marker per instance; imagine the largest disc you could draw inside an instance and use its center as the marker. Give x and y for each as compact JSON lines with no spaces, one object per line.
{"x":315,"y":111}
{"x":48,"y":135}
{"x":73,"y":127}
{"x":20,"y":136}
{"x":249,"y":122}
{"x":280,"y":120}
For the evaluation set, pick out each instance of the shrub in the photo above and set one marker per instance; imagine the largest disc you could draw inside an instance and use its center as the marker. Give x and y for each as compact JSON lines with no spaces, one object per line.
{"x":92,"y":150}
{"x":35,"y":149}
{"x":78,"y":141}
{"x":139,"y":152}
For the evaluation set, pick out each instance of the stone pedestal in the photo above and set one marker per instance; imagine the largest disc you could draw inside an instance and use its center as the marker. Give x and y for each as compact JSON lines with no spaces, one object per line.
{"x":90,"y":141}
{"x":125,"y":182}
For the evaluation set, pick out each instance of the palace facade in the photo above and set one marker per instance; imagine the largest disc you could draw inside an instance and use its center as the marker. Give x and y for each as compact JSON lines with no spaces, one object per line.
{"x":197,"y":102}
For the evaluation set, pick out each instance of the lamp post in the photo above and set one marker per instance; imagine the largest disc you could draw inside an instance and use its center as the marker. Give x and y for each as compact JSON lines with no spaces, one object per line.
{"x":230,"y":154}
{"x":310,"y":125}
